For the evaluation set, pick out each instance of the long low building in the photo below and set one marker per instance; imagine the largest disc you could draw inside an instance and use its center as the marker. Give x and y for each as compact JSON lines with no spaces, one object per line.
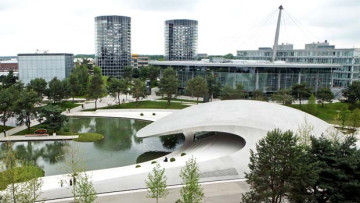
{"x":254,"y":75}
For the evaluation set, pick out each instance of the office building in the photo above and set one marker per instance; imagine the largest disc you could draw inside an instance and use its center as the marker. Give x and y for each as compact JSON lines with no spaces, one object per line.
{"x":181,"y":38}
{"x":45,"y":65}
{"x":139,"y":61}
{"x":254,"y":75}
{"x":113,"y":44}
{"x":314,"y":53}
{"x":9,"y":65}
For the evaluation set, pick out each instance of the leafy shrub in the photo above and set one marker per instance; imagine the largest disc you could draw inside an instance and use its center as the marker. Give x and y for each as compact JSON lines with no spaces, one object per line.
{"x":183,"y":154}
{"x":141,"y":114}
{"x":153,"y":162}
{"x":154,"y":114}
{"x":172,"y":159}
{"x":137,"y":166}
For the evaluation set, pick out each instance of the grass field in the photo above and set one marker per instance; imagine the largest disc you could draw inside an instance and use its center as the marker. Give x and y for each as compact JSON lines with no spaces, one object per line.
{"x":145,"y":105}
{"x":6,"y":128}
{"x":327,"y":113}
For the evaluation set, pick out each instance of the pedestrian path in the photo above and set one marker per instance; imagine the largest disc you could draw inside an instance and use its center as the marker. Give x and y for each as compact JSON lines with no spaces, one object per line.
{"x":21,"y":138}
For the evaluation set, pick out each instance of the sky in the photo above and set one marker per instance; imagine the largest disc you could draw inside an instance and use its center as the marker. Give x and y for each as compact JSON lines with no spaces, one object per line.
{"x":224,"y":26}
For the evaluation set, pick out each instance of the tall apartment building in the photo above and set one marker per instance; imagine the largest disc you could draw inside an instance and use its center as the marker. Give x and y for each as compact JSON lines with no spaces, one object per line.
{"x":113,"y":44}
{"x":181,"y":38}
{"x":45,"y":65}
{"x":314,"y":53}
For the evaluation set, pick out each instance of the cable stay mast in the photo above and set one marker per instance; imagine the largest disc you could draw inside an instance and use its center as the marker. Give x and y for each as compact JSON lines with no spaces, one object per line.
{"x":277,"y":33}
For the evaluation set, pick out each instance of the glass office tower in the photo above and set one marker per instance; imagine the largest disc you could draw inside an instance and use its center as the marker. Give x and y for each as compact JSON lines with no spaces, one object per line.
{"x":181,"y":38}
{"x":113,"y":44}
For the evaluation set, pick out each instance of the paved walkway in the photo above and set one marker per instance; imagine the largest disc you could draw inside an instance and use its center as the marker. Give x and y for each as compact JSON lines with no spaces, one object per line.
{"x":36,"y":138}
{"x":214,"y":192}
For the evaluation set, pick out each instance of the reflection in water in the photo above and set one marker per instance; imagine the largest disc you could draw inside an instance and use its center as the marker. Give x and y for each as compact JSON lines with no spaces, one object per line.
{"x":120,"y":146}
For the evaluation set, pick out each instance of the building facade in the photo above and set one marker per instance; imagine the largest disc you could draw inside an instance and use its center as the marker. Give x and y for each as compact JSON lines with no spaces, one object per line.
{"x":139,"y":61}
{"x":9,"y":65}
{"x":314,"y":53}
{"x":181,"y":37}
{"x":113,"y":44}
{"x":264,"y":76}
{"x":46,"y":65}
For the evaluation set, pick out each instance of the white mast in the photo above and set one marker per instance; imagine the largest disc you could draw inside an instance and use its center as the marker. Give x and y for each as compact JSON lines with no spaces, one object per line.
{"x":277,"y":34}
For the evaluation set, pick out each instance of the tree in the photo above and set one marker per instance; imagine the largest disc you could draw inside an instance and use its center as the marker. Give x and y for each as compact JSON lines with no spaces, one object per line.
{"x":312,"y":107}
{"x":16,"y":173}
{"x":7,"y":107}
{"x":128,"y":72}
{"x":84,"y":189}
{"x":25,"y":107}
{"x":57,"y":90}
{"x":352,"y":92}
{"x":144,"y":73}
{"x":154,"y":73}
{"x":75,"y":87}
{"x":138,"y":90}
{"x":343,"y":115}
{"x":83,"y":77}
{"x":54,"y":120}
{"x":197,"y":87}
{"x":228,"y":93}
{"x":116,"y":87}
{"x":258,"y":95}
{"x":212,"y":86}
{"x":38,"y":85}
{"x":156,"y":184}
{"x":135,"y":73}
{"x":169,"y":84}
{"x":325,"y":95}
{"x":354,"y":118}
{"x":279,"y":170}
{"x":338,"y":169}
{"x":283,"y":96}
{"x":300,"y":91}
{"x":192,"y":191}
{"x":96,"y":88}
{"x":8,"y":80}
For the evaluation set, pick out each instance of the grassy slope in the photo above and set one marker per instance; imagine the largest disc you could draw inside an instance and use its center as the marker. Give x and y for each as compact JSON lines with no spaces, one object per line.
{"x":181,"y":100}
{"x":6,"y":128}
{"x":145,"y":105}
{"x":24,"y":174}
{"x":327,"y":113}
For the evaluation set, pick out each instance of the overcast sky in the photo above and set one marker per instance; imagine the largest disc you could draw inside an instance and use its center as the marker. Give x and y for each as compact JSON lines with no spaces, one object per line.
{"x":224,"y":25}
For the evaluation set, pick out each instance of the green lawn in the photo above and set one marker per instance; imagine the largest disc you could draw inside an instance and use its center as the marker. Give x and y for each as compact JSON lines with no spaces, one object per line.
{"x":6,"y":128}
{"x":64,"y":105}
{"x":23,"y":174}
{"x":145,"y":105}
{"x":89,"y":137}
{"x":181,"y":100}
{"x":327,"y":113}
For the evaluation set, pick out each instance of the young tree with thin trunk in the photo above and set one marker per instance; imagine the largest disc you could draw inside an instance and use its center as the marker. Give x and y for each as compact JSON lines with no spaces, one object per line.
{"x":325,"y":95}
{"x":25,"y":107}
{"x":116,"y":87}
{"x":197,"y":87}
{"x":96,"y":88}
{"x":138,"y":90}
{"x":84,"y":189}
{"x":192,"y":190}
{"x":7,"y":107}
{"x":169,"y":84}
{"x":38,"y":85}
{"x":74,"y":85}
{"x":300,"y":91}
{"x":156,"y":184}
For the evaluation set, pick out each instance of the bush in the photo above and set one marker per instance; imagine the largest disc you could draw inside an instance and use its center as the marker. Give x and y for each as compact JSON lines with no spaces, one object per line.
{"x":154,"y":114}
{"x":137,"y":166}
{"x":172,"y":159}
{"x":141,"y":114}
{"x":153,"y":162}
{"x":183,"y":154}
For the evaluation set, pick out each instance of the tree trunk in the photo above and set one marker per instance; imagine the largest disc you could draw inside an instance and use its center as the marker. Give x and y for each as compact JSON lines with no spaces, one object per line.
{"x":197,"y":100}
{"x":168,"y":99}
{"x":118,"y":96}
{"x":95,"y":104}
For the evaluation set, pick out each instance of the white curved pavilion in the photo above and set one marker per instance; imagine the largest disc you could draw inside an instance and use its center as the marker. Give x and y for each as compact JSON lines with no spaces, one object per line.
{"x":242,"y":124}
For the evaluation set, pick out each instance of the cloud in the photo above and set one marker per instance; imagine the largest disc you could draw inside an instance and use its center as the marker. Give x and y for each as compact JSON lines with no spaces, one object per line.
{"x":163,"y":5}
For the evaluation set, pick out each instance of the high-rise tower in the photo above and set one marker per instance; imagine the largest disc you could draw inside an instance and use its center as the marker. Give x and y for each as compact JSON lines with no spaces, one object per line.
{"x":181,"y":38}
{"x":113,"y":44}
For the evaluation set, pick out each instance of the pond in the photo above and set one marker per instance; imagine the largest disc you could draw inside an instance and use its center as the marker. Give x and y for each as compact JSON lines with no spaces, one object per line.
{"x":120,"y":146}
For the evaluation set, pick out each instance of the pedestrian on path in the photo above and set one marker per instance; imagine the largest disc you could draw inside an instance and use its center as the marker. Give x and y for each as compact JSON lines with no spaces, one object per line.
{"x":4,"y":133}
{"x":82,"y":106}
{"x":70,"y":182}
